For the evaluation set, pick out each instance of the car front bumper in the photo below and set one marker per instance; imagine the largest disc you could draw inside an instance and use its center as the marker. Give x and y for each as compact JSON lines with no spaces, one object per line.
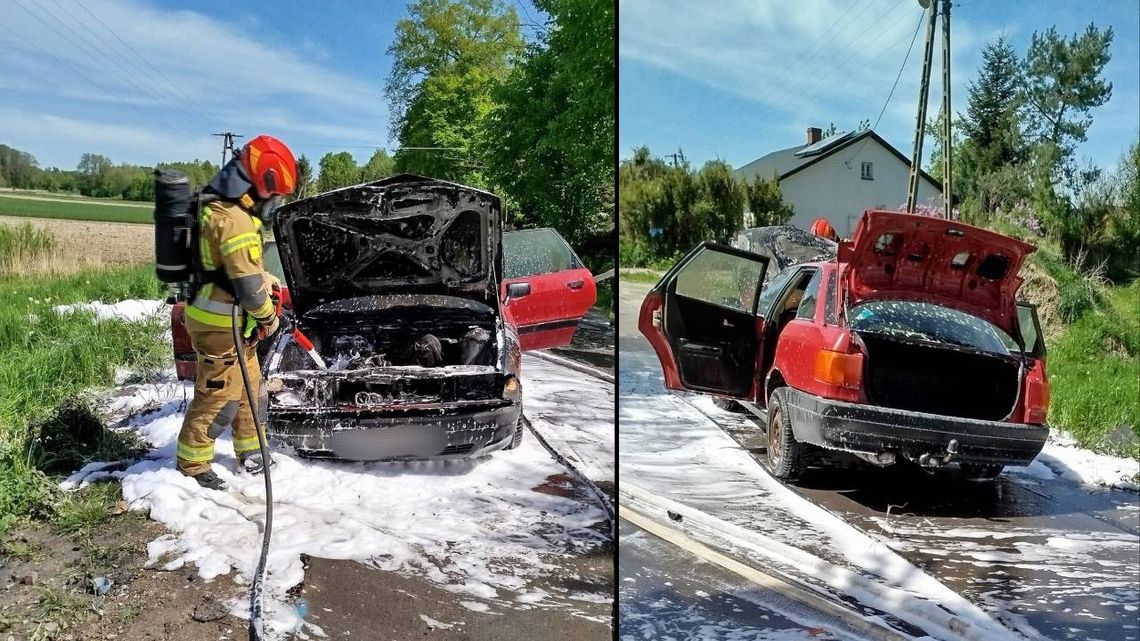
{"x":877,"y":430}
{"x":397,"y":435}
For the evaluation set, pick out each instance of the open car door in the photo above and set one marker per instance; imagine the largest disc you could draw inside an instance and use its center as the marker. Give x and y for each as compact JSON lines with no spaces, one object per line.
{"x":701,"y":320}
{"x":545,"y":289}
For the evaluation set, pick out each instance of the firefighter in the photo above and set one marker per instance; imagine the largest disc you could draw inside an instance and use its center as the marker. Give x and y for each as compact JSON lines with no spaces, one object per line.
{"x":238,"y":201}
{"x":823,"y":229}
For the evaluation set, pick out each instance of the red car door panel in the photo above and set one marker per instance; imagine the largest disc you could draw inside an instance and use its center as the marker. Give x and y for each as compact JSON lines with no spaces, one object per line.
{"x":701,"y":321}
{"x":561,"y":289}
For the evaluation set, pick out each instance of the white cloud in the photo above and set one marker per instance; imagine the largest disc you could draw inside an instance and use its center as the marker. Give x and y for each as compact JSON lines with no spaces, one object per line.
{"x":212,"y":75}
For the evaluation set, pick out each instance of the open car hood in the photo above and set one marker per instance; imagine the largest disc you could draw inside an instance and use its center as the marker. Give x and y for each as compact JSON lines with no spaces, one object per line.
{"x":401,"y":235}
{"x":899,"y":256}
{"x":785,"y":245}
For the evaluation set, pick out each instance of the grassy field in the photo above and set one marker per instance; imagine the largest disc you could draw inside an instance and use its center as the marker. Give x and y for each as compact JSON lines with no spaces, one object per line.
{"x":24,"y":246}
{"x":74,"y":209}
{"x":47,"y":360}
{"x":1094,"y":374}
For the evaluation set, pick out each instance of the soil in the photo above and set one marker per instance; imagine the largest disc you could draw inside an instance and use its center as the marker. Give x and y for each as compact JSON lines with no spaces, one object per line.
{"x":85,"y":243}
{"x":46,"y":589}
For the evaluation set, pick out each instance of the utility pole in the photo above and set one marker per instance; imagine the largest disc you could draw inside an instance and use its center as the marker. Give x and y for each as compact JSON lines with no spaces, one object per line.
{"x":947,"y":146}
{"x":923,"y":91}
{"x":227,"y":143}
{"x":675,"y":156}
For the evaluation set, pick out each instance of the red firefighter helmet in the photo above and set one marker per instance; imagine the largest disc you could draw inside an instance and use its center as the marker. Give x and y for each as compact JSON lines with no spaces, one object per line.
{"x":823,"y":229}
{"x":270,"y":166}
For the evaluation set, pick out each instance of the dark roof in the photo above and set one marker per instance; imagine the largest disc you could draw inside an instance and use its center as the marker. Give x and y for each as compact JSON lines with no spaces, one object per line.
{"x":786,"y":162}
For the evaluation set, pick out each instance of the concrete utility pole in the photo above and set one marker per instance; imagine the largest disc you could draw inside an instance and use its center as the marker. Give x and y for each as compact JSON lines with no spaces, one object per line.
{"x":227,"y":143}
{"x":947,"y":147}
{"x":923,"y":91}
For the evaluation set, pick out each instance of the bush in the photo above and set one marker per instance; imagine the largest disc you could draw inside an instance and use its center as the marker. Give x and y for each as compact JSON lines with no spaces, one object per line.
{"x":22,"y":245}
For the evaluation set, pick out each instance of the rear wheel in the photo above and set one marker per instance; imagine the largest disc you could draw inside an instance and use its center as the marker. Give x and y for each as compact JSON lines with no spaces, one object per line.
{"x":981,"y":471}
{"x":785,"y":454}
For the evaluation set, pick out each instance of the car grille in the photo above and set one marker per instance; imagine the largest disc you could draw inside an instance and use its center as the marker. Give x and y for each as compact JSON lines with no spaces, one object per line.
{"x":447,"y":389}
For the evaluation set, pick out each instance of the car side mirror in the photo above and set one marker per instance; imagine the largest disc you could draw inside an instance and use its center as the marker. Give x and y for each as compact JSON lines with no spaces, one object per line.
{"x":517,"y":290}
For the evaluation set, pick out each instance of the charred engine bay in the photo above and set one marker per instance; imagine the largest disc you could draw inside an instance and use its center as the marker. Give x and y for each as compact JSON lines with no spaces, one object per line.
{"x":934,"y":379}
{"x":392,"y":350}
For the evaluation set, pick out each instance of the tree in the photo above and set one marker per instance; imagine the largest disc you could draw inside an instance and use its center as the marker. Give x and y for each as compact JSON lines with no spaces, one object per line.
{"x":337,"y":170}
{"x":380,"y":165}
{"x":447,"y":57}
{"x":1063,"y":84}
{"x":763,"y":198}
{"x":991,"y":122}
{"x":548,"y":144}
{"x":304,"y":177}
{"x":724,"y":199}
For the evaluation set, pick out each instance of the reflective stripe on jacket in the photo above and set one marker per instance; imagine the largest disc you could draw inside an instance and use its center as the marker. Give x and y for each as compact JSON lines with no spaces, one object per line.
{"x":230,"y":239}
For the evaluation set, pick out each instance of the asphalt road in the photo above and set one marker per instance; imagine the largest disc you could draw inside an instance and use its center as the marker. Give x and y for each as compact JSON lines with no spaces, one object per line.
{"x":666,"y":594}
{"x":1050,"y":555}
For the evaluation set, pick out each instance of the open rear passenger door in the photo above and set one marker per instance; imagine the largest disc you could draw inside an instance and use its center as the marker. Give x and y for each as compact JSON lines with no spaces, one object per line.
{"x":546,"y":290}
{"x":701,"y":320}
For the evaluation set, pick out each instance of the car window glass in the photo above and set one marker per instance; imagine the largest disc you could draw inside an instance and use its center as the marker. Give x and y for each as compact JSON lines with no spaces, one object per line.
{"x":273,"y":261}
{"x":1028,"y":327}
{"x":772,"y":288}
{"x":720,"y":278}
{"x":811,"y":294}
{"x":928,"y":322}
{"x":536,"y":251}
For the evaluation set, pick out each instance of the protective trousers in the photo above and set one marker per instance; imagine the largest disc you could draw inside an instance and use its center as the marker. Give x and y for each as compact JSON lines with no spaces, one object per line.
{"x":219,"y":399}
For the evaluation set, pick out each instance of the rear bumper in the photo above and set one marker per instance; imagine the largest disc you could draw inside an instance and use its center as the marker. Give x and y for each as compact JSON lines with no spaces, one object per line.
{"x":397,"y":435}
{"x":874,"y":430}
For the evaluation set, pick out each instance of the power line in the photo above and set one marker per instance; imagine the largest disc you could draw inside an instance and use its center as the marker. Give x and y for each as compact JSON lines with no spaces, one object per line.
{"x":158,"y":73}
{"x":894,"y":86}
{"x":85,"y":49}
{"x":99,"y":86}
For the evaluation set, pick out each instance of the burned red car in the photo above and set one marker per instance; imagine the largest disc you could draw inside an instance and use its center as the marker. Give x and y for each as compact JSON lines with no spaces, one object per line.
{"x":398,"y":283}
{"x":909,"y":345}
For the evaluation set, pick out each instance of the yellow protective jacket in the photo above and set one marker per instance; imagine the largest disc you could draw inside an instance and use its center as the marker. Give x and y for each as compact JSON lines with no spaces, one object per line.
{"x":230,"y":239}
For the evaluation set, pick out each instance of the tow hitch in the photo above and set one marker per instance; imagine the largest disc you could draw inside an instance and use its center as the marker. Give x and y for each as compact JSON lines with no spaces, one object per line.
{"x":930,"y":460}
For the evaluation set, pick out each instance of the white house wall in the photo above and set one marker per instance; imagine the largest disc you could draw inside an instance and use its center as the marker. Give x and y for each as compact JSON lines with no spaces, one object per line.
{"x":833,"y":188}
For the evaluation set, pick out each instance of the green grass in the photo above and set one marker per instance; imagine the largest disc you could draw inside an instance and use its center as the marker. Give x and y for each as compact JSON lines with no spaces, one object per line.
{"x":649,"y":277}
{"x":47,"y":358}
{"x":23,"y":245}
{"x":77,"y":514}
{"x":1094,"y":375}
{"x":117,"y":212}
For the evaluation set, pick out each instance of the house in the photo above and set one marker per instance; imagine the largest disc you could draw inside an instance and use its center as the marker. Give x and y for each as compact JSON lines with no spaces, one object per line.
{"x":840,"y":177}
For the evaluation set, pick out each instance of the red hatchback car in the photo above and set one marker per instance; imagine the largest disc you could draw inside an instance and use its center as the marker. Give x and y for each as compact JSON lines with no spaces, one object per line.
{"x":551,"y":290}
{"x":908,"y":345}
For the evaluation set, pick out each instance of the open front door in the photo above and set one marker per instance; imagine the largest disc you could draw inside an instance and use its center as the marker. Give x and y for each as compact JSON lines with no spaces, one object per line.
{"x":701,"y":320}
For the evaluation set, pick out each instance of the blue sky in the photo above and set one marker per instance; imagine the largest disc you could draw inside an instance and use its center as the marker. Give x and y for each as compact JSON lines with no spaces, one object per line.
{"x":311,"y":73}
{"x":737,"y":79}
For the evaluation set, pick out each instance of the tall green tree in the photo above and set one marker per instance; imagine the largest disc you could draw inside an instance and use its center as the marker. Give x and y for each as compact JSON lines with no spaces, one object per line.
{"x":337,"y":170}
{"x":549,"y":142}
{"x":1063,"y":84}
{"x":447,"y":57}
{"x":991,"y":120}
{"x":380,"y":165}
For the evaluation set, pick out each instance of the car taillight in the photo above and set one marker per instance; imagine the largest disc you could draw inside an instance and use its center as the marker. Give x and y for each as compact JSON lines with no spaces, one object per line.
{"x":839,"y":368}
{"x":1036,"y":400}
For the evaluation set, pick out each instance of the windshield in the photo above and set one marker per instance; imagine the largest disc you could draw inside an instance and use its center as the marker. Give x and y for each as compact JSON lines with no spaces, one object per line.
{"x":928,"y":322}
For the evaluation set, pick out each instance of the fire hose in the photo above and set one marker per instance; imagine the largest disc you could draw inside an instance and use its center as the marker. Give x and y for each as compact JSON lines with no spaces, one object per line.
{"x":256,"y":588}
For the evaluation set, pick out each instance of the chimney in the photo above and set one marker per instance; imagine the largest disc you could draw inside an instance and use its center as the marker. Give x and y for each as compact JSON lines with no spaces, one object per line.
{"x":814,"y":134}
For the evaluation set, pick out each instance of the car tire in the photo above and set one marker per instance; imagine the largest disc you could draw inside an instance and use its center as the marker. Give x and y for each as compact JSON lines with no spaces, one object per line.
{"x":517,"y":437}
{"x":785,"y":455}
{"x":981,"y":471}
{"x":728,"y":405}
